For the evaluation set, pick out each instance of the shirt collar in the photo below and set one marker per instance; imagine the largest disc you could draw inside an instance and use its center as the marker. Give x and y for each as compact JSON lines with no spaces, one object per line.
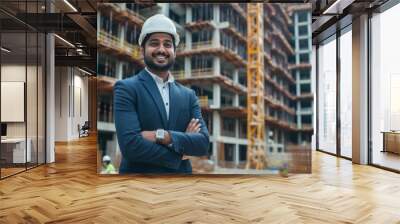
{"x":159,"y":80}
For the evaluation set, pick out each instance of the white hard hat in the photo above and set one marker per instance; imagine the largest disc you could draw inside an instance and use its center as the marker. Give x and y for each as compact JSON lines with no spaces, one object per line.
{"x":158,"y":24}
{"x":106,"y":158}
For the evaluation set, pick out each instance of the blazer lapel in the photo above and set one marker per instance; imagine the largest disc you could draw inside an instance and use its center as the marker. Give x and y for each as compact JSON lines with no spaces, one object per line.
{"x":152,"y":88}
{"x":174,"y":99}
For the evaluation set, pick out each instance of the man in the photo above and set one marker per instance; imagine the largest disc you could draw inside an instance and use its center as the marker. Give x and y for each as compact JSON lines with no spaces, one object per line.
{"x":108,"y":167}
{"x":158,"y":121}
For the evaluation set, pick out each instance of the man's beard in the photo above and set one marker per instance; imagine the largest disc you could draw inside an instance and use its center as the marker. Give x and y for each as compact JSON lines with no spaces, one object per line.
{"x":149,"y":61}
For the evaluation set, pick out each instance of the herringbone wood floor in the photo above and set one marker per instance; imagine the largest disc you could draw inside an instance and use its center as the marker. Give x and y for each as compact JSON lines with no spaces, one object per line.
{"x":70,"y":191}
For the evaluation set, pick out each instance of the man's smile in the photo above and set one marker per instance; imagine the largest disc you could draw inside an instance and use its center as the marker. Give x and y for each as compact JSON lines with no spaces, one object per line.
{"x":161,"y":58}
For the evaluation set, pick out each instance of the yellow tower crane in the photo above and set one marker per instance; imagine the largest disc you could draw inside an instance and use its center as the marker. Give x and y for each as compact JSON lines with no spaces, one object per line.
{"x":256,"y":153}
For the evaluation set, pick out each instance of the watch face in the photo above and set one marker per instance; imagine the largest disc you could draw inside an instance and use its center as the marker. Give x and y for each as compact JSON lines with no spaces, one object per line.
{"x":160,"y":134}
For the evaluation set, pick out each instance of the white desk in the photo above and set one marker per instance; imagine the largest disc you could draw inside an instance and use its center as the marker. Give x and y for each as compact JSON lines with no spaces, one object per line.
{"x":18,"y":150}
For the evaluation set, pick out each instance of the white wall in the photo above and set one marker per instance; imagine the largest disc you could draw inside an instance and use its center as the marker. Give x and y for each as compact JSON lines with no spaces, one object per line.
{"x":80,"y":83}
{"x":61,"y":103}
{"x":16,"y":73}
{"x":71,"y":94}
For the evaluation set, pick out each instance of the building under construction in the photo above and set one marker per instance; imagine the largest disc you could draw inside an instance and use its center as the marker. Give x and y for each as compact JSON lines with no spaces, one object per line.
{"x":212,"y":60}
{"x":300,"y":66}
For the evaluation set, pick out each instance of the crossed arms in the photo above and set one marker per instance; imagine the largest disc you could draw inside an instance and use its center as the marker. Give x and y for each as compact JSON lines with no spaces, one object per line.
{"x":139,"y":146}
{"x":193,"y":127}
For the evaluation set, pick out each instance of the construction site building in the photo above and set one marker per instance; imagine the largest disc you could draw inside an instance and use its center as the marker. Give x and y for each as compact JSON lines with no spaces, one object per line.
{"x":301,"y":69}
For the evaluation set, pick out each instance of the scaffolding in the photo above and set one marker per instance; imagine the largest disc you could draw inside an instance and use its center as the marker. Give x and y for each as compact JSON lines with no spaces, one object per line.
{"x":256,"y":158}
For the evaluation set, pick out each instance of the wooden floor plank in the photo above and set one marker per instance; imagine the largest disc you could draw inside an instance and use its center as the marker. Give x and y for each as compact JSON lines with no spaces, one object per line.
{"x":70,"y":191}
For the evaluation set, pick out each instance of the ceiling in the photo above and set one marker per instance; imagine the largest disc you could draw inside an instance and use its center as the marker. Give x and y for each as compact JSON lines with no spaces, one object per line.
{"x":72,"y":20}
{"x":329,"y":14}
{"x":75,"y":21}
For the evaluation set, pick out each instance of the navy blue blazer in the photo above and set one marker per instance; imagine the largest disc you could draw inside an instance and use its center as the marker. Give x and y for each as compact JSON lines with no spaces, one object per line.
{"x":138,"y":106}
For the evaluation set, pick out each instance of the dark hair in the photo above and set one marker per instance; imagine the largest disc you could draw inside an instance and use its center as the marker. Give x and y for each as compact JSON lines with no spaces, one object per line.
{"x":148,"y":36}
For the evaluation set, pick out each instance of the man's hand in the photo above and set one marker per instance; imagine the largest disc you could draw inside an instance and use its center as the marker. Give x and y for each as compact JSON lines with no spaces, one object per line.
{"x":193,"y":126}
{"x":149,"y":135}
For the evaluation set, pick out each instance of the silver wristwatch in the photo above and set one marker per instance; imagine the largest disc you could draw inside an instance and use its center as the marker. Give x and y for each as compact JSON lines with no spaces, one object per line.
{"x":160,"y":135}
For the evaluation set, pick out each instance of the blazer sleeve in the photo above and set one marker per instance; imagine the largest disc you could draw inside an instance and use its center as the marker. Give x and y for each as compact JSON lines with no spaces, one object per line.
{"x":133,"y":146}
{"x":192,"y":144}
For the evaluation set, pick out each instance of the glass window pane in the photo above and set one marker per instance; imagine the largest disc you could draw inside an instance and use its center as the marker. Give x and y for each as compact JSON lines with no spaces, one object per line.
{"x":305,"y":88}
{"x":303,"y":44}
{"x":13,"y":84}
{"x":305,"y":58}
{"x":385,"y":83}
{"x":346,"y":94}
{"x":41,"y":99}
{"x":31,"y":96}
{"x":327,"y":96}
{"x":303,"y":16}
{"x":304,"y":75}
{"x":303,"y":30}
{"x":242,"y":152}
{"x":22,"y":82}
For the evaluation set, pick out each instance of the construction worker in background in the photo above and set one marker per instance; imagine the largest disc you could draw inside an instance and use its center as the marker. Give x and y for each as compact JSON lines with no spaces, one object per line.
{"x":158,"y":121}
{"x":108,"y":167}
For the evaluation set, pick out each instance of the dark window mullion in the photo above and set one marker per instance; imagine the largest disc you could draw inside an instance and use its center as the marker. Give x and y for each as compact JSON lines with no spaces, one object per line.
{"x":37,"y":91}
{"x":26,"y":86}
{"x":369,"y":88}
{"x":0,"y":93}
{"x":338,"y":73}
{"x":317,"y":97}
